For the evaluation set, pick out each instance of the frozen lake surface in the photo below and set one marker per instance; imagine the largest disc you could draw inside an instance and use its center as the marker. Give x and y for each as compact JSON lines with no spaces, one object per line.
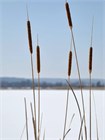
{"x":12,"y":114}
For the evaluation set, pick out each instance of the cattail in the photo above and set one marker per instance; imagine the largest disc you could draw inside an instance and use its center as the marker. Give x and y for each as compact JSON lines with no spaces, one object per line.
{"x":70,"y":63}
{"x":90,"y":59}
{"x":29,"y":36}
{"x":68,"y":14}
{"x":38,"y":59}
{"x":70,"y":24}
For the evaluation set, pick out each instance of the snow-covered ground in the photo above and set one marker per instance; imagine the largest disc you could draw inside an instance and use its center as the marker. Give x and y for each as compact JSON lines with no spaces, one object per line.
{"x":12,"y":114}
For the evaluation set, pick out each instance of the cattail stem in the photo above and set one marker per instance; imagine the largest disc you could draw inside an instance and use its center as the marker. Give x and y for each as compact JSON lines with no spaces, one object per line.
{"x":26,"y":118}
{"x":80,"y":129}
{"x":67,"y":100}
{"x":70,"y":25}
{"x":90,"y":71}
{"x":80,"y":84}
{"x":78,"y":106}
{"x":90,"y":107}
{"x":33,"y":121}
{"x":32,"y":69}
{"x":38,"y":106}
{"x":33,"y":87}
{"x":41,"y":123}
{"x":69,"y":73}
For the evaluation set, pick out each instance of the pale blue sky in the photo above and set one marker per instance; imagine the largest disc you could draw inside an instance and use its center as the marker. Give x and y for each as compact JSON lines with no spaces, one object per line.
{"x":48,"y":19}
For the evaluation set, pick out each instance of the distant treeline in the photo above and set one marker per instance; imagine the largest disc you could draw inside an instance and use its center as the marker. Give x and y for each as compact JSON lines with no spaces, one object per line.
{"x":21,"y":83}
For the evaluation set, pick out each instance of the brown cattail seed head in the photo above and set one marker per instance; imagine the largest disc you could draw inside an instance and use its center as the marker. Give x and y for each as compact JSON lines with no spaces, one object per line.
{"x":68,"y":14}
{"x":70,"y":63}
{"x":29,"y":36}
{"x":38,"y":59}
{"x":90,"y":59}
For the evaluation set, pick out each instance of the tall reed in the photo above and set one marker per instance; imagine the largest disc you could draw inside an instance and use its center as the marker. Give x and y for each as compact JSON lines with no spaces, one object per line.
{"x":71,"y":26}
{"x":32,"y":69}
{"x":67,"y":100}
{"x":38,"y":71}
{"x":90,"y":71}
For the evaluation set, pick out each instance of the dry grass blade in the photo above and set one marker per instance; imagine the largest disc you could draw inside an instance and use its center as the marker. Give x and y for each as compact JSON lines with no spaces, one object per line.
{"x":23,"y":131}
{"x":67,"y":132}
{"x":44,"y":135}
{"x":69,"y":127}
{"x":72,"y":119}
{"x":68,"y":14}
{"x":26,"y":118}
